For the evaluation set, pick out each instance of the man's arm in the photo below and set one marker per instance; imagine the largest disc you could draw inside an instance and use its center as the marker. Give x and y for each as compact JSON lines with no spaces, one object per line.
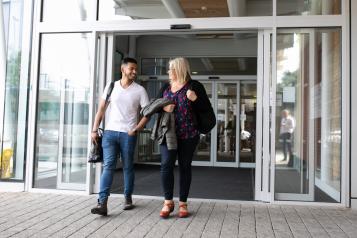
{"x":98,"y":118}
{"x":139,"y":126}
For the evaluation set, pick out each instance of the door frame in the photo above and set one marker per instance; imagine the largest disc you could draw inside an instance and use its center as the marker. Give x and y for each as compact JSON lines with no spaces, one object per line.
{"x":311,"y":163}
{"x":200,"y":25}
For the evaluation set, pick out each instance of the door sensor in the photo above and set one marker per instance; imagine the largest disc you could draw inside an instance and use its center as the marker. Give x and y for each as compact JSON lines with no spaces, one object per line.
{"x":180,"y":26}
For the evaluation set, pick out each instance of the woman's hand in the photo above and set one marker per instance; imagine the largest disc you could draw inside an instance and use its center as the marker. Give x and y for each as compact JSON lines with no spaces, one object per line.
{"x":169,"y":108}
{"x":191,"y":95}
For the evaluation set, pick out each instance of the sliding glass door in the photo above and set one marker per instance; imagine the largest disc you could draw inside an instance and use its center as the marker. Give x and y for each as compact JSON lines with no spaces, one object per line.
{"x":308,"y":115}
{"x":62,"y":119}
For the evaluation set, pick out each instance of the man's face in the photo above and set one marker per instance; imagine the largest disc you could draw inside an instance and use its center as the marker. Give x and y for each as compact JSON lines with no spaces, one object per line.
{"x":129,"y":70}
{"x":284,"y":114}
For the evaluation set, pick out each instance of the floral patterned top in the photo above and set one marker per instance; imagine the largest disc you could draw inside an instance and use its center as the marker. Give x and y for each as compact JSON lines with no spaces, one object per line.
{"x":183,"y":111}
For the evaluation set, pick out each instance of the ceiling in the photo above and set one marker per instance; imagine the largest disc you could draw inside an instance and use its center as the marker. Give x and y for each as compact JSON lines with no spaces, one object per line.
{"x":204,"y":8}
{"x":192,"y":8}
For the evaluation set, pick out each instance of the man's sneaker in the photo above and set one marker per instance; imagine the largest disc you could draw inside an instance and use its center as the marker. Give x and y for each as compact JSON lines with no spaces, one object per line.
{"x":128,"y":204}
{"x":101,"y":208}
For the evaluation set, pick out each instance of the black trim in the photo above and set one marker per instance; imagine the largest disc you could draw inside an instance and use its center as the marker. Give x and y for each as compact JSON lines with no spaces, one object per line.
{"x":97,"y":13}
{"x":35,"y":167}
{"x":350,"y":140}
{"x":41,"y":11}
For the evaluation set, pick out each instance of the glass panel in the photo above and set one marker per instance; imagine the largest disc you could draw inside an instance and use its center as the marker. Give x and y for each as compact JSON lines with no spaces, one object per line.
{"x":67,"y":10}
{"x":12,"y":148}
{"x":204,"y":66}
{"x":62,"y":114}
{"x":308,"y":114}
{"x":312,"y":7}
{"x":158,"y":9}
{"x":148,"y":150}
{"x":203,"y":152}
{"x":248,"y":106}
{"x":6,"y":15}
{"x":226,"y":122}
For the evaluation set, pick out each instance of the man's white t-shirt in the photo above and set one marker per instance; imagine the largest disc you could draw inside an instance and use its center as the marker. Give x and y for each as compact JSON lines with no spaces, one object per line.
{"x":287,"y":125}
{"x":122,"y":112}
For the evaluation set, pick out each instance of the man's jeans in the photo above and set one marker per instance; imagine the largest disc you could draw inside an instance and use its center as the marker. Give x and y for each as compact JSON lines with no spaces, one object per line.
{"x":115,"y":143}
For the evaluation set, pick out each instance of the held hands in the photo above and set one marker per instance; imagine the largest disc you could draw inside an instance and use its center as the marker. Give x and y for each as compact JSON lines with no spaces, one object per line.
{"x":169,"y":108}
{"x":191,"y":95}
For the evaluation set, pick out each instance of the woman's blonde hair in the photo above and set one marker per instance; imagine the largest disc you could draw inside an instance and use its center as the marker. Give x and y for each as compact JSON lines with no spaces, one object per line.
{"x":182,"y":69}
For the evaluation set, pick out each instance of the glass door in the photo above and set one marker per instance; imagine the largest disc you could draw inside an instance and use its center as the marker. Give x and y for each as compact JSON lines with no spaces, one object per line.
{"x":308,"y":121}
{"x":204,"y":148}
{"x":227,"y":108}
{"x":62,"y":117}
{"x":247,"y":123}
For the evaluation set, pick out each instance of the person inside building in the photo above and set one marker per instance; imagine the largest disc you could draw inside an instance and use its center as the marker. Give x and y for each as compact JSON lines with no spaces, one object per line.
{"x":119,"y":137}
{"x":287,"y":126}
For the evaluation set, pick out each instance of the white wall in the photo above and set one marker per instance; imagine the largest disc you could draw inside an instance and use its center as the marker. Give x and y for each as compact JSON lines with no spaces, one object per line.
{"x":353,"y":104}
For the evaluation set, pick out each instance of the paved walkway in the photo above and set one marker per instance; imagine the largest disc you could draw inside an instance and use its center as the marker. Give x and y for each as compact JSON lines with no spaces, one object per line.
{"x":53,"y":215}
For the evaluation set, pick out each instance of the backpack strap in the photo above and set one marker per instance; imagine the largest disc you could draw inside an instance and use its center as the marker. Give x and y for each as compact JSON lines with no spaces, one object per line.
{"x":110,"y":90}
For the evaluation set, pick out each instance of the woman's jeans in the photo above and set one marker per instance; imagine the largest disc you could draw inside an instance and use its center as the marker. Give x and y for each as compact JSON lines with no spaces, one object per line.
{"x":115,"y":143}
{"x":184,"y":152}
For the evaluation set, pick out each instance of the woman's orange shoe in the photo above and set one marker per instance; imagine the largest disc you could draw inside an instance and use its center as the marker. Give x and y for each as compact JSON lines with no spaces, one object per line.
{"x":169,"y":208}
{"x":183,"y":212}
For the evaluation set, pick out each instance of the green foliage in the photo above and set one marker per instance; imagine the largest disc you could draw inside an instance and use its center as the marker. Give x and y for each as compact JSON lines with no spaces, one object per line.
{"x":289,"y":80}
{"x":13,"y":70}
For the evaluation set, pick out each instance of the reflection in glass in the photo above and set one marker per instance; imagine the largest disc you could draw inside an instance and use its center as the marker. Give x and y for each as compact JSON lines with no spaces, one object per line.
{"x":226,"y":122}
{"x":62,"y":114}
{"x":308,"y":114}
{"x":248,"y":104}
{"x":160,"y":9}
{"x":312,"y":7}
{"x":67,"y":10}
{"x":13,"y":140}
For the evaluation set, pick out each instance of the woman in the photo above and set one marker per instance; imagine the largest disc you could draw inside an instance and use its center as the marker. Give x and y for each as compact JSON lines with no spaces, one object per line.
{"x":187,"y":95}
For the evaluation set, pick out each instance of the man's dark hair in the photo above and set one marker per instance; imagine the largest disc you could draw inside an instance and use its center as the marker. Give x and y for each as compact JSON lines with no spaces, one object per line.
{"x":127,"y":60}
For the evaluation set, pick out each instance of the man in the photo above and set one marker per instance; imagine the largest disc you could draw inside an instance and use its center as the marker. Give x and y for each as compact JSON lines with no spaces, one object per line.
{"x":121,"y":117}
{"x":287,"y":126}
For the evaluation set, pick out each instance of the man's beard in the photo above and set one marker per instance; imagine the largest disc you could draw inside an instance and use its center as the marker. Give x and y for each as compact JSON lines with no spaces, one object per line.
{"x":131,"y":76}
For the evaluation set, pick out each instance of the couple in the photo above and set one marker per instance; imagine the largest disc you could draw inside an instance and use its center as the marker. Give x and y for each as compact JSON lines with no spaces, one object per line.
{"x":121,"y":128}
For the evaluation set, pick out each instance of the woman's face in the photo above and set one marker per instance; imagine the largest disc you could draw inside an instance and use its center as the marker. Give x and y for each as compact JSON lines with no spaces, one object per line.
{"x":172,"y":74}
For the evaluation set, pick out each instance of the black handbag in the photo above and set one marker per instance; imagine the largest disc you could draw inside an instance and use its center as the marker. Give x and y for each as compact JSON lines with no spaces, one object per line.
{"x":96,"y":150}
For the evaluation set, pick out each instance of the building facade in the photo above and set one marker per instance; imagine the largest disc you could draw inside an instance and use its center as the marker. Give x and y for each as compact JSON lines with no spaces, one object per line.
{"x":259,"y":60}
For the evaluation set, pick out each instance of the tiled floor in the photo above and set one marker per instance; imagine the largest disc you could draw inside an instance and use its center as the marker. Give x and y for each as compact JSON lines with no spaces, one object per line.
{"x":53,"y":215}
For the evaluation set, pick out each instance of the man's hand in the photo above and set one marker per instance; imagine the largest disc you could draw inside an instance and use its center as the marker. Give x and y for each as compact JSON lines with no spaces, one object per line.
{"x":191,"y":95}
{"x":95,"y":137}
{"x":132,"y":132}
{"x":169,"y":108}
